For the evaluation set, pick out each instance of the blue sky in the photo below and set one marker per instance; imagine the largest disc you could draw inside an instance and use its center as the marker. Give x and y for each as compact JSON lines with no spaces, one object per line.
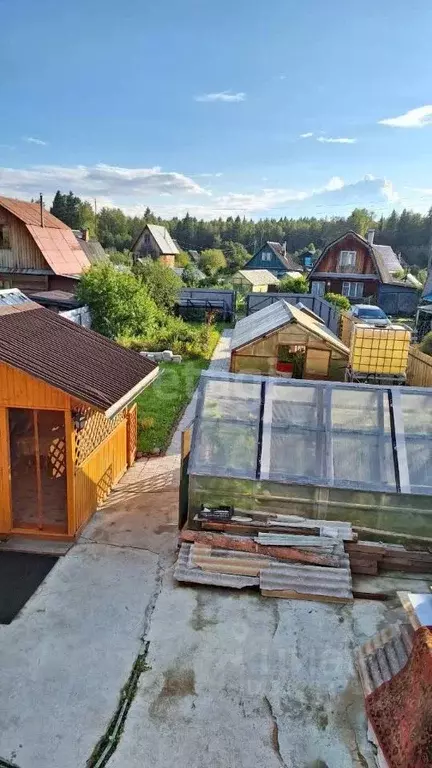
{"x":206,"y":106}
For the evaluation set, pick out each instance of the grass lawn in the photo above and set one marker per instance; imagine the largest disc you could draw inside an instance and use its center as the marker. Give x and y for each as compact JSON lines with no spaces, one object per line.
{"x":160,"y":406}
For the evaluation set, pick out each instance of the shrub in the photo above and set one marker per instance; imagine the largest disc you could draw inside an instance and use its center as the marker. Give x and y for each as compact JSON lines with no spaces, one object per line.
{"x":182,"y":338}
{"x":291,"y":284}
{"x":119,"y":303}
{"x":339,"y":301}
{"x":426,"y":344}
{"x":161,"y":282}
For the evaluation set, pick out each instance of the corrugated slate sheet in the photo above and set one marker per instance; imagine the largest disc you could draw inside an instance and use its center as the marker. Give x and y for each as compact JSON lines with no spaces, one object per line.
{"x":184,"y":571}
{"x":12,"y":297}
{"x":258,"y":276}
{"x":306,"y":581}
{"x":69,"y":357}
{"x":384,"y":656}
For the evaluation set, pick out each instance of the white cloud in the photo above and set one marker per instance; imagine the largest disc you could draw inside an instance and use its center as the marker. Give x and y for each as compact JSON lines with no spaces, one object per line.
{"x":170,"y":193}
{"x":96,"y":181}
{"x":33,"y":140}
{"x":329,"y":140}
{"x":228,"y":96}
{"x":306,"y":135}
{"x":334,"y":183}
{"x":415,"y":118}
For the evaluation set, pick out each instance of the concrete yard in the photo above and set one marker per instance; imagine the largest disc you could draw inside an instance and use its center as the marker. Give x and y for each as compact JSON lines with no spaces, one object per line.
{"x":231,"y":678}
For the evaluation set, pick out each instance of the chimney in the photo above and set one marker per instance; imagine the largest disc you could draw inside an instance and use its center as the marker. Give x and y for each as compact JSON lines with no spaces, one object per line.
{"x":370,"y":236}
{"x":41,"y":209}
{"x":85,"y":235}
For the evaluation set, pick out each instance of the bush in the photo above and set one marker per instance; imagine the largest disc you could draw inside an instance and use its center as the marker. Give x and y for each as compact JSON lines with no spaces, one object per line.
{"x":119,"y":303}
{"x":161,"y":282}
{"x":182,"y":338}
{"x":339,"y":301}
{"x":291,"y":284}
{"x":426,"y":344}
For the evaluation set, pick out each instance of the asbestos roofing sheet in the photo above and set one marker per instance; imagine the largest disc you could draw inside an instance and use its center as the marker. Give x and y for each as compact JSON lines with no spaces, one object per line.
{"x":183,"y":571}
{"x":383,"y":656}
{"x":307,"y":580}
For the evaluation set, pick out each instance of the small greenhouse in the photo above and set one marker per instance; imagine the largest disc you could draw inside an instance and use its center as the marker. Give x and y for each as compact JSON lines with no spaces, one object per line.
{"x":317,"y":449}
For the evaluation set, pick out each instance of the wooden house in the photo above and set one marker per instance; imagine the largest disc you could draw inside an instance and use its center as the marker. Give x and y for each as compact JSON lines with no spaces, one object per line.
{"x":155,"y":242}
{"x":283,"y":340}
{"x":254,"y":280}
{"x":37,"y":251}
{"x":363,"y":271}
{"x":274,"y":258}
{"x":68,"y":425}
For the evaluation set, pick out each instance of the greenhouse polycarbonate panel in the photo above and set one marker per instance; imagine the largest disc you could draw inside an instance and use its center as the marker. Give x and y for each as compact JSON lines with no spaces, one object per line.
{"x":224,"y":400}
{"x":225,"y":447}
{"x":353,"y":409}
{"x":297,"y":455}
{"x":363,"y":461}
{"x":348,"y":436}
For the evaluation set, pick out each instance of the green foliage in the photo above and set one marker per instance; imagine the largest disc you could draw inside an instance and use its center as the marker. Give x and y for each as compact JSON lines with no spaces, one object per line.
{"x":119,"y":303}
{"x":360,"y":221}
{"x":236,"y":255}
{"x":339,"y":301}
{"x":161,"y":282}
{"x":212,"y":260}
{"x":123,"y":258}
{"x":293,"y":285}
{"x":76,"y":213}
{"x":190,"y":276}
{"x":426,"y":344}
{"x":186,"y":339}
{"x":182,"y":259}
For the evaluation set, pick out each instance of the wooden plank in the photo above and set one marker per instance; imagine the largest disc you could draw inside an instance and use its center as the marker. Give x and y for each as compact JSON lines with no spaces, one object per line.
{"x":38,"y":471}
{"x":70,"y":472}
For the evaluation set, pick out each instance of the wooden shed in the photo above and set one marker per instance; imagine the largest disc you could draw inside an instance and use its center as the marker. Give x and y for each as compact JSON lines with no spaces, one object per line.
{"x":283,"y":340}
{"x":68,"y":423}
{"x":254,"y":280}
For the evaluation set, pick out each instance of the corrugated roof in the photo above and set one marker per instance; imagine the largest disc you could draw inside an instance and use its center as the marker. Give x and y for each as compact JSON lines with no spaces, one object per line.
{"x":258,"y":276}
{"x":60,"y":248}
{"x":307,"y":580}
{"x":388,"y":257}
{"x":275,"y":316}
{"x":30,"y":213}
{"x":265,"y":321}
{"x":12,"y":296}
{"x":71,"y":358}
{"x":384,"y":656}
{"x":185,"y":571}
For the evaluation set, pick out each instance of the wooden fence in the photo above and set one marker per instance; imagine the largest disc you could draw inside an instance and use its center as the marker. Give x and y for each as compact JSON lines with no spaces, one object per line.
{"x":419,"y":370}
{"x":98,"y":473}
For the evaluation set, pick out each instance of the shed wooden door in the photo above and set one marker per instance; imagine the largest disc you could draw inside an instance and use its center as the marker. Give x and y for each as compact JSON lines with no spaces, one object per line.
{"x":38,"y":469}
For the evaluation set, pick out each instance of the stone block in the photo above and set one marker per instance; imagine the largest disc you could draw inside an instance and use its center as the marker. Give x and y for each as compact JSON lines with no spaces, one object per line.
{"x":177,"y":359}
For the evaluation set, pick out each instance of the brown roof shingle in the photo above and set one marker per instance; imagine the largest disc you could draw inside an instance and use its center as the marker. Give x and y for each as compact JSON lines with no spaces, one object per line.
{"x":71,"y":358}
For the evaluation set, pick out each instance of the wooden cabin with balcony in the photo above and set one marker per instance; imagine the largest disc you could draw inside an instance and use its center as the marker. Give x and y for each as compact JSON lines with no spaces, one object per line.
{"x":364,"y":272}
{"x":68,"y":422}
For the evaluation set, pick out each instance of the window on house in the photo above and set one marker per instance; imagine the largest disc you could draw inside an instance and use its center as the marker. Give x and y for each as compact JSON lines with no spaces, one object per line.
{"x":352,"y":290}
{"x":347,"y":259}
{"x":4,"y":237}
{"x":266,"y":256}
{"x":318,"y":288}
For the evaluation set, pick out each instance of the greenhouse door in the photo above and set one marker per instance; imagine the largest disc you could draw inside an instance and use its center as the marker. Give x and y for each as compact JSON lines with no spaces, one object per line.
{"x":38,"y":470}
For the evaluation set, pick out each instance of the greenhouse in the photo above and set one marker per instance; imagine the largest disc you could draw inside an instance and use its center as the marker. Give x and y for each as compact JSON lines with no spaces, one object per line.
{"x":317,"y":449}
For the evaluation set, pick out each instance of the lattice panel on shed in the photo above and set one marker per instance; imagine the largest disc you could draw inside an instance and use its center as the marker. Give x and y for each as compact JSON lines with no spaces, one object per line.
{"x":97,"y":427}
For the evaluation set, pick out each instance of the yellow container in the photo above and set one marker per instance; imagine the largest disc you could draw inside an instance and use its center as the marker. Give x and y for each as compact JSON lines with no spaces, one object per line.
{"x":379,"y":350}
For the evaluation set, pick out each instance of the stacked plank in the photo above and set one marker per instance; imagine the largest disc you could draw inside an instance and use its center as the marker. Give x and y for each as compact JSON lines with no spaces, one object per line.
{"x":369,"y":557}
{"x":302,"y":565}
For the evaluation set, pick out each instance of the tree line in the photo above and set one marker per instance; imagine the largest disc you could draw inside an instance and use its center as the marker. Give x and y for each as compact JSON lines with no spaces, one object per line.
{"x":409,"y":233}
